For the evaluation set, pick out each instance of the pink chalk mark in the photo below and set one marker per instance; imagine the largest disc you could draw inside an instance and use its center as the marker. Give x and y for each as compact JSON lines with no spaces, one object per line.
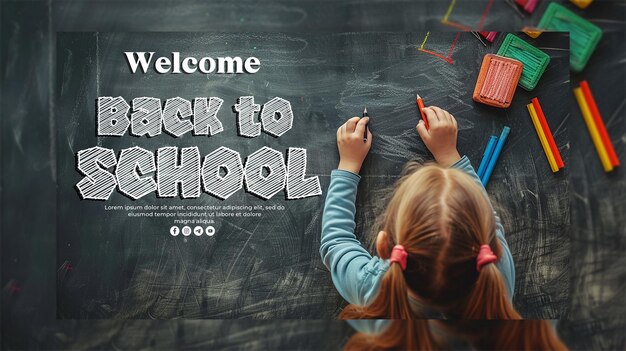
{"x":484,"y":16}
{"x":453,"y":45}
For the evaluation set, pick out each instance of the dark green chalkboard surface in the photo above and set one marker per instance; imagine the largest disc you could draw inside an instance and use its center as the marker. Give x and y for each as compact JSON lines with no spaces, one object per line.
{"x":269,"y":266}
{"x":593,"y":315}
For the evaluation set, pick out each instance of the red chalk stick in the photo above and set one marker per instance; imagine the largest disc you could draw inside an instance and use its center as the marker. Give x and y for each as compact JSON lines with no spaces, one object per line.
{"x":490,"y":36}
{"x":548,"y":133}
{"x":420,"y":106}
{"x":597,"y":118}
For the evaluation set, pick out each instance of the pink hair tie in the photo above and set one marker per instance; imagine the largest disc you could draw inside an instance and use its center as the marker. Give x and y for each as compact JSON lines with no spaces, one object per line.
{"x":485,"y":256}
{"x":398,"y":254}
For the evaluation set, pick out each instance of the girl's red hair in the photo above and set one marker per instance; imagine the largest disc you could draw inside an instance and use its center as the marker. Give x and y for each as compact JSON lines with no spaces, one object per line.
{"x":441,"y":216}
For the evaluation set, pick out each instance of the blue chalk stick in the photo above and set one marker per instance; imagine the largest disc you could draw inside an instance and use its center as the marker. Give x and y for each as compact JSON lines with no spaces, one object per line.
{"x":491,"y":145}
{"x":496,"y":154}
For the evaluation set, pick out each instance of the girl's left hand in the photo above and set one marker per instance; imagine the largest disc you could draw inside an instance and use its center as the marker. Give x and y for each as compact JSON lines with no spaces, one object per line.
{"x":352,"y":147}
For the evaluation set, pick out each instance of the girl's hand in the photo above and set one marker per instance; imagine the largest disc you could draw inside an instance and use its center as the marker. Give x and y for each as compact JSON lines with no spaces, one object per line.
{"x":440,"y":137}
{"x":352,"y":147}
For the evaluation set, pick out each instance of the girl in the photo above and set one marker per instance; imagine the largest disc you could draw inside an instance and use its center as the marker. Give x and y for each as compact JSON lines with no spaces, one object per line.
{"x":441,"y":244}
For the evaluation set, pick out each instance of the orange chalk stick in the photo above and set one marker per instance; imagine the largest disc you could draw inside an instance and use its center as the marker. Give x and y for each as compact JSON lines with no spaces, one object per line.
{"x":548,"y":133}
{"x":597,"y":118}
{"x":420,"y":106}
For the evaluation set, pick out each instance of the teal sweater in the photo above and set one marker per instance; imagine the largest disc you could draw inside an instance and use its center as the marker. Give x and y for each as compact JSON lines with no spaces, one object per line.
{"x":355,"y":273}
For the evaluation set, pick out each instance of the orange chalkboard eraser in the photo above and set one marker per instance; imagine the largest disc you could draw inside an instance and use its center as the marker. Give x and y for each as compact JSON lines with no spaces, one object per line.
{"x":497,"y":81}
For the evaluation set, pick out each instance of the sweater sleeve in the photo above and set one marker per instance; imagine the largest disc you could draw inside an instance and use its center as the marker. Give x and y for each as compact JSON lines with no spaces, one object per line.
{"x":355,"y":273}
{"x":505,"y":264}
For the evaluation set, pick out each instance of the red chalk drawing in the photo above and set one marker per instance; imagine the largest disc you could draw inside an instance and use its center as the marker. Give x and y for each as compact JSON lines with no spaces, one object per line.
{"x":484,"y":16}
{"x":447,"y":58}
{"x":446,"y":18}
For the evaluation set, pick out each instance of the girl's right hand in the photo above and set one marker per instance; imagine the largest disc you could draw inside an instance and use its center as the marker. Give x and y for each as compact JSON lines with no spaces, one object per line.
{"x":352,"y":146}
{"x":440,"y":137}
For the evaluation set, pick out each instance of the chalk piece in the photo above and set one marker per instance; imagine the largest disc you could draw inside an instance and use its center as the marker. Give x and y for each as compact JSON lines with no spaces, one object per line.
{"x":532,"y":32}
{"x":491,"y":145}
{"x":528,"y":5}
{"x":597,"y":119}
{"x":542,"y":138}
{"x":584,"y":35}
{"x":495,"y":155}
{"x":593,"y":131}
{"x":535,"y":61}
{"x":548,"y":133}
{"x":490,"y":36}
{"x":497,"y":81}
{"x":582,"y":3}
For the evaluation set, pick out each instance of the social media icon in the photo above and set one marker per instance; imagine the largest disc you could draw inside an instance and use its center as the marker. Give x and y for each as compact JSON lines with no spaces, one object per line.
{"x":174,"y":230}
{"x":198,"y":230}
{"x":186,"y":230}
{"x":210,"y":230}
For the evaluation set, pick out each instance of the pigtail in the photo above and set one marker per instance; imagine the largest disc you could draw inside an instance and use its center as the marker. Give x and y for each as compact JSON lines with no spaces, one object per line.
{"x":411,"y":334}
{"x":526,"y":335}
{"x":397,"y":304}
{"x":406,"y":330}
{"x":506,"y":335}
{"x":488,"y":299}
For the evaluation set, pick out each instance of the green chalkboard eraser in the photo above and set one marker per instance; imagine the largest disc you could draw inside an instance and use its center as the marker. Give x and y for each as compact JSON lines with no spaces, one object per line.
{"x":584,"y":35}
{"x":535,"y":61}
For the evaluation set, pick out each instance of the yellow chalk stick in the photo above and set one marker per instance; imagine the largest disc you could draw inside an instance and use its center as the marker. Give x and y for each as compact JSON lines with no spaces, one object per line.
{"x":582,"y":3}
{"x":542,"y":138}
{"x":593,"y":130}
{"x":532,"y":32}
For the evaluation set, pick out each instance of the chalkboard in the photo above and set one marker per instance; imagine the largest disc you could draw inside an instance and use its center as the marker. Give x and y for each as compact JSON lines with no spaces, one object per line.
{"x":269,"y":267}
{"x":598,"y":209}
{"x":200,"y":334}
{"x":593,"y":310}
